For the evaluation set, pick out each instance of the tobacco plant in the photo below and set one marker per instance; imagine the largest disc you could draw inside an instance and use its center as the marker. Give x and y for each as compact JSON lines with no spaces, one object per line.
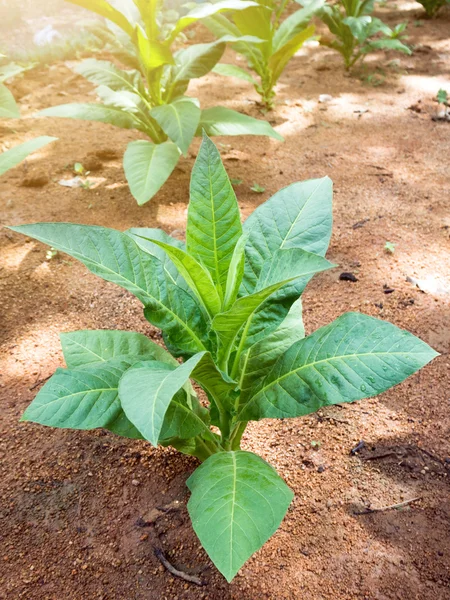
{"x":228,"y":304}
{"x":10,"y":110}
{"x":151,"y":97}
{"x":431,"y":7}
{"x":281,"y":40}
{"x":355,"y":32}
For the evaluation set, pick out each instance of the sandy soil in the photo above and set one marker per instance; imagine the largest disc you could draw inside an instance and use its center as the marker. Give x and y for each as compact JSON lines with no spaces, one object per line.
{"x":78,"y":508}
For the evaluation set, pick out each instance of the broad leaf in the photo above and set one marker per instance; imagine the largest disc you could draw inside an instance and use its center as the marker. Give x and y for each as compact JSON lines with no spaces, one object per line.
{"x":114,"y":256}
{"x":148,"y":166}
{"x":298,"y":216}
{"x":11,"y":70}
{"x":284,"y":267}
{"x":224,"y":121}
{"x":152,"y":53}
{"x":14,"y":156}
{"x":214,"y":222}
{"x":295,"y":23}
{"x":207,"y":9}
{"x":87,"y":347}
{"x":229,"y":70}
{"x":147,"y":390}
{"x":255,"y":363}
{"x":354,"y":357}
{"x":8,"y":106}
{"x":179,"y":120}
{"x":104,"y":9}
{"x":103,"y":72}
{"x":281,"y":57}
{"x":195,"y":274}
{"x":237,"y":502}
{"x":96,"y":112}
{"x":84,"y":398}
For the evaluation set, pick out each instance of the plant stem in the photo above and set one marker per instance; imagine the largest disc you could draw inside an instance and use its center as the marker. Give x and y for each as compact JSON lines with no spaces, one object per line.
{"x":236,"y":435}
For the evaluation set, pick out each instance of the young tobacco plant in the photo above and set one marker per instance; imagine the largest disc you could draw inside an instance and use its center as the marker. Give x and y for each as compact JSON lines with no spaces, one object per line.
{"x":355,"y":32}
{"x":228,"y":304}
{"x":10,"y":110}
{"x":281,"y":39}
{"x":151,"y":97}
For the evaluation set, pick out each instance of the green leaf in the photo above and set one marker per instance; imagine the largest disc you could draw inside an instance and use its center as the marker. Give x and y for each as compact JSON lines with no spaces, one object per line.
{"x":256,"y":362}
{"x":295,"y":23}
{"x":224,"y":121}
{"x":148,"y":166}
{"x":285,"y":266}
{"x":152,"y":53}
{"x":237,"y":503}
{"x":114,"y":256}
{"x":87,"y":347}
{"x":179,"y":120}
{"x":12,"y":69}
{"x":207,"y":9}
{"x":389,"y":44}
{"x":84,"y":398}
{"x":298,"y":216}
{"x":195,"y":274}
{"x":96,"y":112}
{"x":8,"y":106}
{"x":147,"y":390}
{"x":104,"y":9}
{"x":442,"y":96}
{"x":235,"y":272}
{"x":214,"y":222}
{"x":14,"y":156}
{"x":281,"y":57}
{"x":354,"y":357}
{"x":103,"y":72}
{"x":229,"y":70}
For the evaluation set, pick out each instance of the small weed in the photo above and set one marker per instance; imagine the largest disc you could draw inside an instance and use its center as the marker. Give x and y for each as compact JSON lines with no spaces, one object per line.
{"x":258,"y":188}
{"x":50,"y":254}
{"x":389,"y":247}
{"x":236,"y":181}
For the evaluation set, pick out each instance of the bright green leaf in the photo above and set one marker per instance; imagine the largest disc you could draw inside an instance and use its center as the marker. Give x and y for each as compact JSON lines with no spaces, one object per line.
{"x":224,"y":121}
{"x":237,"y":502}
{"x":179,"y":120}
{"x":148,"y":166}
{"x":354,"y":357}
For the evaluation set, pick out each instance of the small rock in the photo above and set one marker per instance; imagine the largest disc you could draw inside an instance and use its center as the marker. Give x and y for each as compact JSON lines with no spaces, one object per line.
{"x":323,"y":98}
{"x":348,"y":277}
{"x":135,"y":482}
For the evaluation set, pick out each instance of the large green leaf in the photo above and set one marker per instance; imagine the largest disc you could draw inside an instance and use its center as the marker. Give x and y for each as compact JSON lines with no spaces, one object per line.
{"x":238,"y":501}
{"x":96,"y":346}
{"x":104,"y":9}
{"x":179,"y":120}
{"x":207,"y":9}
{"x":195,"y":274}
{"x":224,"y":121}
{"x":284,"y":267}
{"x":298,"y":216}
{"x":283,"y":55}
{"x":8,"y":106}
{"x":14,"y":156}
{"x":84,"y":398}
{"x":214,"y":222}
{"x":147,"y":390}
{"x":114,"y":256}
{"x":255,"y":363}
{"x":354,"y":357}
{"x":103,"y":72}
{"x":148,"y":166}
{"x":152,"y":53}
{"x":96,"y":112}
{"x":295,"y":23}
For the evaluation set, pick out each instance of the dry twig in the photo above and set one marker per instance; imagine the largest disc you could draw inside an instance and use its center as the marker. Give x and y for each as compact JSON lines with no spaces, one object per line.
{"x":368,"y":511}
{"x":175,"y":572}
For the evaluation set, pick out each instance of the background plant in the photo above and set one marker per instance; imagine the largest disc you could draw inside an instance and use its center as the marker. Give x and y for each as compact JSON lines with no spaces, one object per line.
{"x":10,"y":110}
{"x":356,"y":32}
{"x":228,"y":303}
{"x":151,"y":97}
{"x":281,"y":40}
{"x":432,"y":6}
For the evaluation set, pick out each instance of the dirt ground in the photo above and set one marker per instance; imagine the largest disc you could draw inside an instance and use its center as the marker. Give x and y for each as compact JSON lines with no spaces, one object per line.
{"x":78,"y":518}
